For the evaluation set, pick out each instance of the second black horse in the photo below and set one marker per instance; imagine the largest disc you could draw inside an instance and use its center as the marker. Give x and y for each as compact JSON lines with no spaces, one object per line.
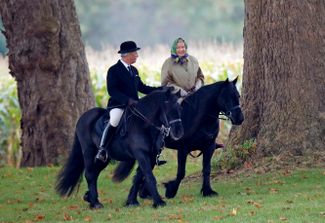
{"x":200,"y":118}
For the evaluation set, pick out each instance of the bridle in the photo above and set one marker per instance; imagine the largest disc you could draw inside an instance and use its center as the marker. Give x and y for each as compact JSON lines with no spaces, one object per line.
{"x":228,"y":113}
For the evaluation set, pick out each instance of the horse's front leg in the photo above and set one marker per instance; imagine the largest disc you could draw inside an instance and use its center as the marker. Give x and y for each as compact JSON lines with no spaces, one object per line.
{"x":172,"y":186}
{"x":150,"y":180}
{"x":206,"y":186}
{"x":137,"y":181}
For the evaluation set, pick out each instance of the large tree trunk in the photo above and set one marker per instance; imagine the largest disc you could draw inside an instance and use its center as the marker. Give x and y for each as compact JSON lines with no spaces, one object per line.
{"x":47,"y":59}
{"x":284,"y":77}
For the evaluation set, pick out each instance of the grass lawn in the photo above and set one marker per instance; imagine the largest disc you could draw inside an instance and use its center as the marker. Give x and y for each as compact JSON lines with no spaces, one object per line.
{"x":27,"y":195}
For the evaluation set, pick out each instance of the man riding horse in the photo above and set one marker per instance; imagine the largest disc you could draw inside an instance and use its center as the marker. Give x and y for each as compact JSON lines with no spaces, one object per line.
{"x":123,"y":83}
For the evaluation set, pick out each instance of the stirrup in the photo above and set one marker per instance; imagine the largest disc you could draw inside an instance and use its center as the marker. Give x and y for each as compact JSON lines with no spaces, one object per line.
{"x":100,"y":156}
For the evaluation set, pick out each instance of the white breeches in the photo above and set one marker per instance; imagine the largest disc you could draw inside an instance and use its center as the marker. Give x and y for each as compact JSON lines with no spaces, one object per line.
{"x":115,"y":116}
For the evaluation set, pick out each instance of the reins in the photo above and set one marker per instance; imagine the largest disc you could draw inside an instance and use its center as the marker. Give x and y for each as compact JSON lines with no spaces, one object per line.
{"x":164,"y":130}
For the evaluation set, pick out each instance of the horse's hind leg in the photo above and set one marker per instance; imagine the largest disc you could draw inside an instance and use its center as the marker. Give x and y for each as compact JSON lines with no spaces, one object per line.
{"x":173,"y":185}
{"x":206,"y":186}
{"x":151,"y":183}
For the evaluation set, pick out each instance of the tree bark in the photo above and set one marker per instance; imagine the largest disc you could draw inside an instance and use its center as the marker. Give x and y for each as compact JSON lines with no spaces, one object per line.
{"x":283,"y":82}
{"x":47,"y":59}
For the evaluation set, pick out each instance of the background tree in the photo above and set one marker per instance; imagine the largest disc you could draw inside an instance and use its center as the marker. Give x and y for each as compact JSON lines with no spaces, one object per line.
{"x":283,"y":82}
{"x":47,"y":59}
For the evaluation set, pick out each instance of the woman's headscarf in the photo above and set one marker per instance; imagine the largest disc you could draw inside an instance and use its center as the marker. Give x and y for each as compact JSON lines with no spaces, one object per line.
{"x":174,"y":55}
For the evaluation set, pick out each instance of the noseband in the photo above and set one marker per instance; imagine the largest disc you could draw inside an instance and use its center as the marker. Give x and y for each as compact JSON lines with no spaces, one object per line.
{"x":229,"y":112}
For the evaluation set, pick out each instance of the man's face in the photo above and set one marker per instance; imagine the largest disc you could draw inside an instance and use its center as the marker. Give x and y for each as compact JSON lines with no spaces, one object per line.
{"x":131,"y":57}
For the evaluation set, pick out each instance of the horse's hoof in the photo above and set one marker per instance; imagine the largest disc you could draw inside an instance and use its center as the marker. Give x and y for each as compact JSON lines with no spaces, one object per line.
{"x":132,"y":203}
{"x":209,"y":193}
{"x":86,"y":197}
{"x":160,"y":203}
{"x":96,"y":206}
{"x":170,"y":189}
{"x":144,"y":194}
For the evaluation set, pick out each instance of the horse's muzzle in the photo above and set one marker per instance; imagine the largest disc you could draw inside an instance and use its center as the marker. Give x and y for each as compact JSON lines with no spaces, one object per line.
{"x":236,"y":116}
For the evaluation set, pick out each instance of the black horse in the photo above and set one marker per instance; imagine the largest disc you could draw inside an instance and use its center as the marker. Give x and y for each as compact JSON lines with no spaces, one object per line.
{"x":154,"y":117}
{"x":200,"y":118}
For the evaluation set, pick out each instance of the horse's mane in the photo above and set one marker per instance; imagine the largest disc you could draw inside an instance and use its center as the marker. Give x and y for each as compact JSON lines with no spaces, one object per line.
{"x":151,"y":101}
{"x":198,"y":98}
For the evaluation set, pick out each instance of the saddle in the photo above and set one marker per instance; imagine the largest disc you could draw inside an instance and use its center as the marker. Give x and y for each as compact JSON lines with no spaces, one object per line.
{"x":104,"y":119}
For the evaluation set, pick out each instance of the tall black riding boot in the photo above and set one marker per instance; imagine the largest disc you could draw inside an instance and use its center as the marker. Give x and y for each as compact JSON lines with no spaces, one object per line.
{"x":106,"y":139}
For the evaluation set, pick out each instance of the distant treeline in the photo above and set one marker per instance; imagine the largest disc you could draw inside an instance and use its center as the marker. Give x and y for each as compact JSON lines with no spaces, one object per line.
{"x":151,"y":22}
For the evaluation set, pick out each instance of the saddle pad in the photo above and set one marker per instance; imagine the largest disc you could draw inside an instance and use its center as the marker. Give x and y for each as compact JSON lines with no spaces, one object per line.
{"x":104,"y":119}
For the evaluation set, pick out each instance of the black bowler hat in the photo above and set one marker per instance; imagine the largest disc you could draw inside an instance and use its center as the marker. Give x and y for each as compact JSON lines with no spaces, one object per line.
{"x":128,"y":46}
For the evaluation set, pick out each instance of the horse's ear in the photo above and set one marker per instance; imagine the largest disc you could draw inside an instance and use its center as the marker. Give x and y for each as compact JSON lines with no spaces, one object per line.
{"x":235,"y":81}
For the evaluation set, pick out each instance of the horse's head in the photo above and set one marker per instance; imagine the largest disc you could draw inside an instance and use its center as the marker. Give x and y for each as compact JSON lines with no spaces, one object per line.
{"x":228,"y":102}
{"x":173,"y":111}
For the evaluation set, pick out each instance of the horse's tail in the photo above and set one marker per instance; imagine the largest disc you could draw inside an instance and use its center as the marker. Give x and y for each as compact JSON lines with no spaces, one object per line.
{"x":70,"y":174}
{"x":122,"y":171}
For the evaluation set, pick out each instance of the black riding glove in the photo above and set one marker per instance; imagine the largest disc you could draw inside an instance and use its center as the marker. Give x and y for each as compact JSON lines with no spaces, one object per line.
{"x":132,"y":102}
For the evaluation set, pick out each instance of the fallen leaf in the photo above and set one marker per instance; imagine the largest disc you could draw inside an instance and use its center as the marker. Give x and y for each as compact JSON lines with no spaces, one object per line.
{"x":283,"y":219}
{"x":218,"y":217}
{"x":87,"y":218}
{"x":187,"y":199}
{"x":233,"y":212}
{"x":248,"y":165}
{"x":39,"y":217}
{"x":273,"y":190}
{"x":67,"y":217}
{"x":252,"y":213}
{"x":73,"y":207}
{"x":278,"y":182}
{"x":256,"y":204}
{"x":109,"y":217}
{"x":175,"y":216}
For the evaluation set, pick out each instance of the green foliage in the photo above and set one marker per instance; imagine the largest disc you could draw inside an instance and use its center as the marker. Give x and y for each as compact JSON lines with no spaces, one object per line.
{"x":104,"y":22}
{"x":99,"y":88}
{"x":234,"y":158}
{"x":153,"y":22}
{"x":9,"y":122}
{"x":27,"y":195}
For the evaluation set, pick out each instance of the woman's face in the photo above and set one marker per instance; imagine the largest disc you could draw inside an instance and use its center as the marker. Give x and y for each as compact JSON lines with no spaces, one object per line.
{"x":180,"y":49}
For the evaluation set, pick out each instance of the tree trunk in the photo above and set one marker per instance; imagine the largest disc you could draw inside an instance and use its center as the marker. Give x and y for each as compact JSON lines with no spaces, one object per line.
{"x":47,"y":59}
{"x":283,"y":82}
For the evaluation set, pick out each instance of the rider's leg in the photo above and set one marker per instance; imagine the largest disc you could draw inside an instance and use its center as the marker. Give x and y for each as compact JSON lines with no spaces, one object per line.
{"x":108,"y":133}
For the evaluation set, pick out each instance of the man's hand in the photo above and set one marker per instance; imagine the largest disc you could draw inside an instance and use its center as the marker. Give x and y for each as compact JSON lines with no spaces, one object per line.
{"x":132,"y":102}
